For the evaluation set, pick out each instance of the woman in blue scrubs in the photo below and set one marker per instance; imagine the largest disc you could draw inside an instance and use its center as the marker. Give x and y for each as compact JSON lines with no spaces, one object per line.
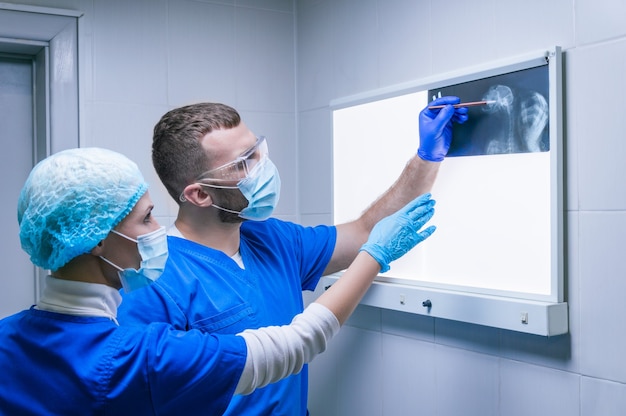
{"x":85,"y":214}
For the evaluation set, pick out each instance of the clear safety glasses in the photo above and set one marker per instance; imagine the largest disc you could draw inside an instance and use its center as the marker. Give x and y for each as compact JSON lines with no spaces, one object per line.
{"x":238,"y":168}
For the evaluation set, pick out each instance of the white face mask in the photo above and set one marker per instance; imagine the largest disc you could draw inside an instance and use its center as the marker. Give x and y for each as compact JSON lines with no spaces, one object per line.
{"x":153,"y":250}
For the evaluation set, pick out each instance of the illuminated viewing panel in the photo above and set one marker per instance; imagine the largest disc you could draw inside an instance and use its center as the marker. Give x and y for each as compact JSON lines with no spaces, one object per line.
{"x":499,"y":212}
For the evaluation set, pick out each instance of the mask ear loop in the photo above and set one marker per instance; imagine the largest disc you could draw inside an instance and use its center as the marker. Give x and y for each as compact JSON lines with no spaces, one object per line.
{"x":112,"y":264}
{"x":125,"y":236}
{"x":109,"y":261}
{"x":210,"y":185}
{"x":226,"y":209}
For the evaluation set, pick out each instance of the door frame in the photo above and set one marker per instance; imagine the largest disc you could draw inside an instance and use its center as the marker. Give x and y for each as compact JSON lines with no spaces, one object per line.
{"x":49,"y":36}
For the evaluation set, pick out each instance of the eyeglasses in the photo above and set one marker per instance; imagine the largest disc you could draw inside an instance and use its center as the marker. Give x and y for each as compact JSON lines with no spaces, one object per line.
{"x":240,"y":167}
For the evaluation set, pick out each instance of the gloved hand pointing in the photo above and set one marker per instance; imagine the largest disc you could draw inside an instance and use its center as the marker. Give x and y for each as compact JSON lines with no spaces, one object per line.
{"x":435,"y":127}
{"x":395,"y":235}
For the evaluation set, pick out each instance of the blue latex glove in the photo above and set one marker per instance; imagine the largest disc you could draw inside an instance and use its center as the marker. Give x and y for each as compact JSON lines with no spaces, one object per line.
{"x":435,"y":128}
{"x":395,"y":235}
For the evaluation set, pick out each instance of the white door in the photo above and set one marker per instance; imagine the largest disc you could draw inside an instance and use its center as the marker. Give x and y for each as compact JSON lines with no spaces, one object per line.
{"x":17,"y":280}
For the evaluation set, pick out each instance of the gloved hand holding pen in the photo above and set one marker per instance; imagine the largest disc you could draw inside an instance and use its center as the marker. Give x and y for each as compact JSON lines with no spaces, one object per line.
{"x":395,"y":235}
{"x":435,"y":128}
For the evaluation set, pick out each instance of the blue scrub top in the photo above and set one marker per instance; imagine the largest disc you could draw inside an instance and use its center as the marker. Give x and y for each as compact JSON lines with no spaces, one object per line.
{"x":57,"y":364}
{"x":205,"y":289}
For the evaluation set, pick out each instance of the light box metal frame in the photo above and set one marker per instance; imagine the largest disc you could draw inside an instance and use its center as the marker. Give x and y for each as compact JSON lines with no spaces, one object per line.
{"x":540,"y":315}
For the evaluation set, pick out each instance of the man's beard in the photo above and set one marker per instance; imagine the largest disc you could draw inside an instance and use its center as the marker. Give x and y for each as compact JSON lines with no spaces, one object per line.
{"x":234,"y":200}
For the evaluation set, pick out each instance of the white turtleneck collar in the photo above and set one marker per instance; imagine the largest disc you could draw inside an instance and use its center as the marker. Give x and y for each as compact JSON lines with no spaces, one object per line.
{"x":79,"y":298}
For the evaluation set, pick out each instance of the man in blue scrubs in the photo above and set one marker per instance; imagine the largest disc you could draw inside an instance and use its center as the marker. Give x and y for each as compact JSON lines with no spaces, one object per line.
{"x":232,"y":267}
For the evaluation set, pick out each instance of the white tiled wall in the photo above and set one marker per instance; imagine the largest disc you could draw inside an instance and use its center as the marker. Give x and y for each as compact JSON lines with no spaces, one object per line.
{"x":141,"y":58}
{"x":451,"y":368}
{"x":267,"y":58}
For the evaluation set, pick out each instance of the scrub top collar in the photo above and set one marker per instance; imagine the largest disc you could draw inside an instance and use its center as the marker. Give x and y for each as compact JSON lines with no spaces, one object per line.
{"x":175,"y":232}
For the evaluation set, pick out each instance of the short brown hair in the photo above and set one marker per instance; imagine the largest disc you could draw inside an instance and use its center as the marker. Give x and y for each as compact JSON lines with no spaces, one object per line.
{"x":177,"y":154}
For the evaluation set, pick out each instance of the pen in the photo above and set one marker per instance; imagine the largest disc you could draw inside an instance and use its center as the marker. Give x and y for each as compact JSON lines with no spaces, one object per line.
{"x":470,"y":104}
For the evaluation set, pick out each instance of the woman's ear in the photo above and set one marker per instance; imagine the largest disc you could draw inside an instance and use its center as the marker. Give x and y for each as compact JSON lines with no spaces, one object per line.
{"x":97,"y":250}
{"x":195,"y":194}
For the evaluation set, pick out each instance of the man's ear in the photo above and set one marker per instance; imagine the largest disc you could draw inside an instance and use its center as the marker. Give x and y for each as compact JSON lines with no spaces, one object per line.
{"x":195,"y":194}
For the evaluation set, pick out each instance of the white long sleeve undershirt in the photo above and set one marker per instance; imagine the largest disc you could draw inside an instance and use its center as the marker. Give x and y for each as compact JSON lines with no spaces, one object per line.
{"x":276,"y":352}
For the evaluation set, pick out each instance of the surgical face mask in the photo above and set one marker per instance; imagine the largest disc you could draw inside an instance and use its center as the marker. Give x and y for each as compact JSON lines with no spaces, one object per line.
{"x":153,"y":250}
{"x":262,"y":190}
{"x":260,"y":184}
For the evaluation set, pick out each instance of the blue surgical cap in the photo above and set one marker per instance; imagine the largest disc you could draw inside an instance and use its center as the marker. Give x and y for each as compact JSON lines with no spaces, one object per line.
{"x":72,"y":200}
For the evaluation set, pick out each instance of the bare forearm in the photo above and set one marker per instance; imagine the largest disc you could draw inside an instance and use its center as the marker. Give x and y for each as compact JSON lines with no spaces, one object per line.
{"x":418,"y":177}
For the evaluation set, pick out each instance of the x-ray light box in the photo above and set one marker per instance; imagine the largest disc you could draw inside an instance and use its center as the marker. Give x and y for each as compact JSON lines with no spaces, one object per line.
{"x":498,"y":248}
